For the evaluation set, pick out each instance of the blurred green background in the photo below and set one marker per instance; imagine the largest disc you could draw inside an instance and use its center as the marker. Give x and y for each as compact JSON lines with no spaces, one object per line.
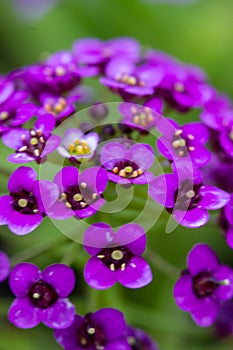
{"x":198,"y":33}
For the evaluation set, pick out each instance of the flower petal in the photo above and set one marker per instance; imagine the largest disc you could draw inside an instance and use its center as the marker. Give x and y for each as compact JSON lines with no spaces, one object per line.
{"x":22,"y":178}
{"x":97,"y":236}
{"x":22,"y":277}
{"x":4,"y":266}
{"x":98,"y":275}
{"x":183,"y":293}
{"x":224,"y":273}
{"x":162,"y":189}
{"x":206,"y":312}
{"x":133,"y":237}
{"x":59,"y":315}
{"x":212,"y":198}
{"x":61,"y":277}
{"x":66,"y":177}
{"x":23,"y":314}
{"x":22,"y":224}
{"x":192,"y":218}
{"x":5,"y":209}
{"x":201,"y":258}
{"x":46,"y":193}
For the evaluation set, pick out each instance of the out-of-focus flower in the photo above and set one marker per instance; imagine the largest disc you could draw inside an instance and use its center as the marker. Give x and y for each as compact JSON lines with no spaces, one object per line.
{"x":42,"y":296}
{"x":203,"y":286}
{"x":140,"y":340}
{"x":34,"y":144}
{"x":7,"y":87}
{"x":226,"y":221}
{"x":77,"y":145}
{"x":116,"y":257}
{"x":80,"y":195}
{"x":224,"y":322}
{"x":4,"y":265}
{"x":103,"y":329}
{"x":127,"y":165}
{"x":23,"y":209}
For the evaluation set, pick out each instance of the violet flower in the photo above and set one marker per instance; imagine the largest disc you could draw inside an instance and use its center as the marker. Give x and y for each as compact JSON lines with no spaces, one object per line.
{"x":141,"y":117}
{"x":78,"y":146}
{"x":116,"y":256}
{"x":7,"y":88}
{"x":226,"y":221}
{"x":14,"y":113}
{"x":186,"y":197}
{"x":123,"y":77}
{"x":224,"y":322}
{"x":127,"y":165}
{"x":34,"y":144}
{"x":4,"y":266}
{"x":93,"y":51}
{"x":103,"y":329}
{"x":140,"y":340}
{"x":41,"y":296}
{"x":184,"y":141}
{"x":23,"y":209}
{"x":203,"y":286}
{"x":80,"y":195}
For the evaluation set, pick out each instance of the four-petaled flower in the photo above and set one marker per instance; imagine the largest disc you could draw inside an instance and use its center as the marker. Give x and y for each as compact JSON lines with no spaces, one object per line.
{"x":116,"y":257}
{"x":140,"y":340}
{"x":203,"y":286}
{"x":42,"y":296}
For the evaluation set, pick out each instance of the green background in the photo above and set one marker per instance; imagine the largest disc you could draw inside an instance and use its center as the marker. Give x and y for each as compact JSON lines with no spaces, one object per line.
{"x":199,"y":33}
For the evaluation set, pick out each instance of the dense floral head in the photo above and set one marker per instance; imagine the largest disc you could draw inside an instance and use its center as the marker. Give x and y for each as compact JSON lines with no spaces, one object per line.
{"x":184,"y":194}
{"x":34,"y":144}
{"x":127,"y":165}
{"x":116,"y":256}
{"x":4,"y":266}
{"x":25,"y":206}
{"x":103,"y":329}
{"x":139,"y":340}
{"x":41,"y":296}
{"x":202,"y":287}
{"x":78,"y":146}
{"x":80,"y":195}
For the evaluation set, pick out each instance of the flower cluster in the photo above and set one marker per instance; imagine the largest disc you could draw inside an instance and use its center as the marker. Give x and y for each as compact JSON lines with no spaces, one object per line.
{"x":38,"y":120}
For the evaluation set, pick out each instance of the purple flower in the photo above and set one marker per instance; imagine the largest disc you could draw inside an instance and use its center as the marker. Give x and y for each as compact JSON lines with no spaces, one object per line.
{"x":4,"y":266}
{"x":116,"y":256}
{"x":139,"y":340}
{"x":77,"y":145}
{"x":14,"y":113}
{"x":23,"y":209}
{"x":127,"y":165}
{"x":60,"y":107}
{"x":34,"y":144}
{"x":186,"y":197}
{"x":103,"y":329}
{"x":226,"y":221}
{"x":95,"y":51}
{"x":226,"y":137}
{"x":203,"y":286}
{"x":123,"y":77}
{"x":184,"y":141}
{"x":224,"y":321}
{"x":80,"y":195}
{"x":7,"y":88}
{"x":41,"y":296}
{"x":141,"y":117}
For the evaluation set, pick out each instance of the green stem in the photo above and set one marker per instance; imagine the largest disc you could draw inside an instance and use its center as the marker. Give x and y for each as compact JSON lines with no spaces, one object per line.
{"x":162,"y":264}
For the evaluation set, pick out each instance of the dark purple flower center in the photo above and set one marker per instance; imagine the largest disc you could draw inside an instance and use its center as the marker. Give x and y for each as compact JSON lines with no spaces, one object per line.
{"x":24,"y":202}
{"x":79,"y":197}
{"x":5,"y":117}
{"x":187,"y":196}
{"x":182,"y":144}
{"x":204,"y":284}
{"x":179,"y":87}
{"x":115,"y":258}
{"x":142,"y":116}
{"x":129,"y":80}
{"x":34,"y":145}
{"x":55,"y":106}
{"x":91,"y":335}
{"x":127,"y":169}
{"x":42,"y":295}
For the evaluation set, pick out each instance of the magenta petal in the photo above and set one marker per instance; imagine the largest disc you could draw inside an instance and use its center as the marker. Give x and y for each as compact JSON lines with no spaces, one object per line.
{"x":59,"y":315}
{"x":118,"y":66}
{"x":68,"y":176}
{"x":200,"y":155}
{"x":142,"y":155}
{"x":118,"y":345}
{"x":183,"y":293}
{"x":67,"y":337}
{"x":118,"y":179}
{"x":22,"y":224}
{"x":201,"y":258}
{"x":206,"y":312}
{"x":61,"y":277}
{"x":59,"y":211}
{"x":23,"y":314}
{"x":5,"y":209}
{"x":98,"y":236}
{"x":13,"y":139}
{"x":133,"y":236}
{"x":137,"y":273}
{"x":4,"y":266}
{"x":145,"y":178}
{"x":224,"y":273}
{"x":51,"y":144}
{"x":229,"y":237}
{"x":22,"y":277}
{"x":22,"y":178}
{"x":46,"y":193}
{"x":162,"y":189}
{"x":212,"y":197}
{"x":112,"y":152}
{"x":192,"y":218}
{"x":96,"y":178}
{"x":20,"y":158}
{"x":45,"y":123}
{"x":98,"y":275}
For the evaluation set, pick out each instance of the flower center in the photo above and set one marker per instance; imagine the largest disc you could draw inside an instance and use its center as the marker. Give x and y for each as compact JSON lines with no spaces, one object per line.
{"x":142,"y":117}
{"x":55,"y":106}
{"x":79,"y":147}
{"x":79,"y":197}
{"x":90,"y":335}
{"x":204,"y":284}
{"x":24,"y":202}
{"x":179,"y":87}
{"x":187,"y":197}
{"x":182,"y":145}
{"x":34,"y":145}
{"x":129,"y":80}
{"x":42,"y":295}
{"x":4,"y":115}
{"x":115,"y":258}
{"x":127,"y":169}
